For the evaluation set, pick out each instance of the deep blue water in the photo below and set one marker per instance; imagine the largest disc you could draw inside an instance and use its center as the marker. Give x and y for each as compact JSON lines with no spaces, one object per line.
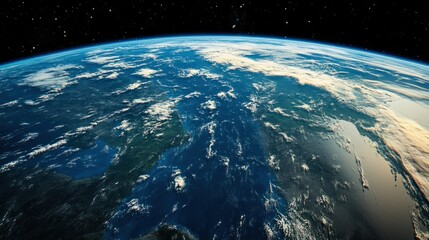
{"x":218,"y":200}
{"x":88,"y":162}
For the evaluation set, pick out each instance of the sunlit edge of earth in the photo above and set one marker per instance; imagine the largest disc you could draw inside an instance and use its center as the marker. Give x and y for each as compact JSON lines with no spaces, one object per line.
{"x":86,"y":48}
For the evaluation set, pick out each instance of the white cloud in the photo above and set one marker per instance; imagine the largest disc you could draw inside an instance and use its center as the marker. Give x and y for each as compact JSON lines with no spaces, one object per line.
{"x":258,"y":87}
{"x":147,"y":72}
{"x":221,"y":95}
{"x":102,"y":59}
{"x":162,"y":111}
{"x":9,"y":104}
{"x":231,"y":94}
{"x":135,"y":207}
{"x":204,"y":73}
{"x":179,"y":183}
{"x":125,"y":126}
{"x":88,"y":75}
{"x":29,"y":136}
{"x":274,"y":162}
{"x":10,"y":165}
{"x":118,"y":64}
{"x":210,"y":105}
{"x":281,"y":112}
{"x":47,"y":148}
{"x":251,"y":106}
{"x":211,"y":126}
{"x":305,"y":106}
{"x":113,"y":75}
{"x":286,"y":137}
{"x":99,"y":74}
{"x":134,"y":86}
{"x":30,"y":102}
{"x":141,"y":100}
{"x":54,"y":78}
{"x":305,"y":167}
{"x":143,"y":178}
{"x":193,"y":94}
{"x":149,"y":56}
{"x":270,"y":125}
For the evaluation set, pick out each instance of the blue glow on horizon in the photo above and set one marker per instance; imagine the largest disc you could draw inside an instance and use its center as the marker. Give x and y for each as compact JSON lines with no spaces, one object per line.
{"x":88,"y":47}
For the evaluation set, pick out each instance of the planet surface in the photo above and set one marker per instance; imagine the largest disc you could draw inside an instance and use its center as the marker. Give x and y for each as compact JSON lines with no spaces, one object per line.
{"x":214,"y":137}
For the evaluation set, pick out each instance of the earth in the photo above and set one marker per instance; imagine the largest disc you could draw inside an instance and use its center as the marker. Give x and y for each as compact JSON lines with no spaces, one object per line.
{"x":214,"y":137}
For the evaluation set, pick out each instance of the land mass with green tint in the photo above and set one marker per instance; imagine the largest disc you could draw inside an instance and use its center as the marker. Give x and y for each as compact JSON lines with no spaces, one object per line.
{"x":42,"y":204}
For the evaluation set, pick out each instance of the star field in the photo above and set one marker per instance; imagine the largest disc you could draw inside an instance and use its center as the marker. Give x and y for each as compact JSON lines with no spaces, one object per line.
{"x":29,"y":28}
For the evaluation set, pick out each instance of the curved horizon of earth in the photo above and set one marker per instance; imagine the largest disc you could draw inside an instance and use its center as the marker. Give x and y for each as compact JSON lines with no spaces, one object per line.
{"x":214,"y":137}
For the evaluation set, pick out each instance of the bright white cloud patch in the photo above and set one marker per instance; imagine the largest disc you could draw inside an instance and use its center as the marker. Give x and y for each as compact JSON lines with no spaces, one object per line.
{"x":286,"y":137}
{"x":147,"y":72}
{"x":125,"y":126}
{"x":210,"y":105}
{"x":191,"y":72}
{"x":162,"y":111}
{"x":113,"y":75}
{"x":134,"y":86}
{"x":231,"y":94}
{"x":193,"y":94}
{"x":29,"y":136}
{"x":9,"y":104}
{"x":306,"y":107}
{"x":211,"y":126}
{"x":179,"y":183}
{"x":142,"y":178}
{"x":102,"y":59}
{"x":135,"y":207}
{"x":281,"y":112}
{"x":89,"y":75}
{"x":149,"y":56}
{"x":221,"y":95}
{"x":47,"y":148}
{"x":118,"y":64}
{"x":142,"y":101}
{"x":54,"y":78}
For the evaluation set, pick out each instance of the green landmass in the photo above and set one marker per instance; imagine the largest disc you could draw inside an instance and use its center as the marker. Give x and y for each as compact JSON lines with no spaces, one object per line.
{"x":42,"y":204}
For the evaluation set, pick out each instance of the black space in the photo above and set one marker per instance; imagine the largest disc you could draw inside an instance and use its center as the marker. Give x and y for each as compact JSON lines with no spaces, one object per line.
{"x":33,"y":27}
